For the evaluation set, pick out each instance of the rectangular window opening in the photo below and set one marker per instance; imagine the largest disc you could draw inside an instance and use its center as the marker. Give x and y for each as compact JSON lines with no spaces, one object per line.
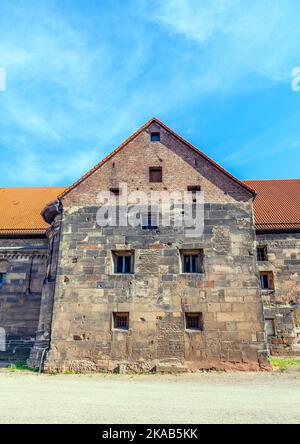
{"x":121,"y":320}
{"x":115,"y":191}
{"x":192,"y":261}
{"x":270,"y":326}
{"x":150,"y":221}
{"x":2,"y":278}
{"x":155,"y":137}
{"x":266,"y":280}
{"x":194,"y":321}
{"x":194,"y":189}
{"x":155,"y":174}
{"x":123,"y":262}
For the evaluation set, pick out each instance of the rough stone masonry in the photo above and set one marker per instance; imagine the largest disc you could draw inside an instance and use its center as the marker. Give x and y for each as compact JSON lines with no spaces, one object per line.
{"x":136,"y":298}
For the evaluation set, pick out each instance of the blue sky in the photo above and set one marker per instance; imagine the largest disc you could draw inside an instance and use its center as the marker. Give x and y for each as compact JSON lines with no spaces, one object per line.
{"x":82,"y":75}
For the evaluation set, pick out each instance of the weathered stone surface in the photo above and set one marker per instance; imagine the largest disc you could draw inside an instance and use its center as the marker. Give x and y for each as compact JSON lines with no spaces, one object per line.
{"x":24,"y":263}
{"x":283,"y":304}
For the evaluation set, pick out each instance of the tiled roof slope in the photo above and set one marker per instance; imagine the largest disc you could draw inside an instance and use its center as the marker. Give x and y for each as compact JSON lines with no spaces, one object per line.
{"x":277,"y":204}
{"x":20,"y":209}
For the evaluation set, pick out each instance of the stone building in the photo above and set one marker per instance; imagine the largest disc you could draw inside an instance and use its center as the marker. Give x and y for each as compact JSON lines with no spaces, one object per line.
{"x":81,"y":296}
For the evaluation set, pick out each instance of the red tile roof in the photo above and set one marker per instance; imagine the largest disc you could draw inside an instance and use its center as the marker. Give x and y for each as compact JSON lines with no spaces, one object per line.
{"x":20,"y":209}
{"x":277,"y":204}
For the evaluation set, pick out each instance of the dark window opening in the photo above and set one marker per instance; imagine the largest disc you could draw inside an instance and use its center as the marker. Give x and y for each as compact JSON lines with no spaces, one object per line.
{"x":115,"y":191}
{"x":194,"y":321}
{"x":261,"y":254}
{"x":2,"y":278}
{"x":149,"y":221}
{"x":155,"y":174}
{"x":123,"y":262}
{"x":121,"y":321}
{"x":194,"y":189}
{"x":266,"y":280}
{"x":270,"y":327}
{"x":155,"y":137}
{"x":192,"y":261}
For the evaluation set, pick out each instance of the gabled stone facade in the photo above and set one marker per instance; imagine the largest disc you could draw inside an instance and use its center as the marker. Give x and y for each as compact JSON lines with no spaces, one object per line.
{"x":73,"y":312}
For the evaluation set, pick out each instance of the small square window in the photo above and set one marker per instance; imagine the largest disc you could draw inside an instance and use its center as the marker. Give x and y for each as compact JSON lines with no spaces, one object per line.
{"x":194,"y":321}
{"x":261,"y":253}
{"x":123,"y":262}
{"x":270,"y":327}
{"x":192,"y":261}
{"x":155,"y":137}
{"x":155,"y":174}
{"x":266,"y":280}
{"x":149,"y":221}
{"x":2,"y":278}
{"x":121,"y":320}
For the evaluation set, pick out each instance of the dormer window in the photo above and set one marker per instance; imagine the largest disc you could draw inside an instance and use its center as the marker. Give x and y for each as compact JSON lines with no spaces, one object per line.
{"x":155,"y":137}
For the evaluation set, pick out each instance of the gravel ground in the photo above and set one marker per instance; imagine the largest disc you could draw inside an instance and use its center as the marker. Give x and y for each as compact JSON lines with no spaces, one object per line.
{"x":155,"y":399}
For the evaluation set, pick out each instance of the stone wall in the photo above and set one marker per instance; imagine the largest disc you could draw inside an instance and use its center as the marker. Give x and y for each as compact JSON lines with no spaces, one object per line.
{"x":157,"y":295}
{"x":23,"y":265}
{"x":282,"y":305}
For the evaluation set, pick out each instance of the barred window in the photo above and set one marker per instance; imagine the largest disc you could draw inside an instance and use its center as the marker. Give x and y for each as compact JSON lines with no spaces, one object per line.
{"x":121,"y":320}
{"x":270,"y":326}
{"x":261,"y":253}
{"x":123,"y":262}
{"x":149,"y":221}
{"x":192,"y":261}
{"x":194,"y":321}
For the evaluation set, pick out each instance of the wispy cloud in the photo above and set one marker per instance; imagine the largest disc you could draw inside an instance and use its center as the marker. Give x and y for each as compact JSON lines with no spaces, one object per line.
{"x":81,"y":79}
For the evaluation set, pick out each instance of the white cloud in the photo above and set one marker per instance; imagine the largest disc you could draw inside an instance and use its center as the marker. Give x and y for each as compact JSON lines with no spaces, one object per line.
{"x":248,"y":36}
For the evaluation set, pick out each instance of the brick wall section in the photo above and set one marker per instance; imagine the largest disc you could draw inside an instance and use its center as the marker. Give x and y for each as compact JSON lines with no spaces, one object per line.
{"x":24,"y":263}
{"x":283,"y":304}
{"x":181,"y":167}
{"x":158,"y":294}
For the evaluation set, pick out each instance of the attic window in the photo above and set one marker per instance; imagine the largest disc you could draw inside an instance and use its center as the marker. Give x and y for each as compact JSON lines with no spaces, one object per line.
{"x":155,"y":137}
{"x":192,"y":261}
{"x":115,"y":191}
{"x":266,"y":280}
{"x":155,"y":174}
{"x":194,"y":188}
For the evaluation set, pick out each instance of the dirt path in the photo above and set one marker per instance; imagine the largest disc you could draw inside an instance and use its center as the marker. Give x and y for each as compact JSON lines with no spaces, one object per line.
{"x":195,"y":398}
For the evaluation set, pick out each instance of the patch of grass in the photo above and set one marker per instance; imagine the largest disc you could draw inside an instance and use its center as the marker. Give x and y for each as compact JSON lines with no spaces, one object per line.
{"x":21,"y":366}
{"x":284,"y":363}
